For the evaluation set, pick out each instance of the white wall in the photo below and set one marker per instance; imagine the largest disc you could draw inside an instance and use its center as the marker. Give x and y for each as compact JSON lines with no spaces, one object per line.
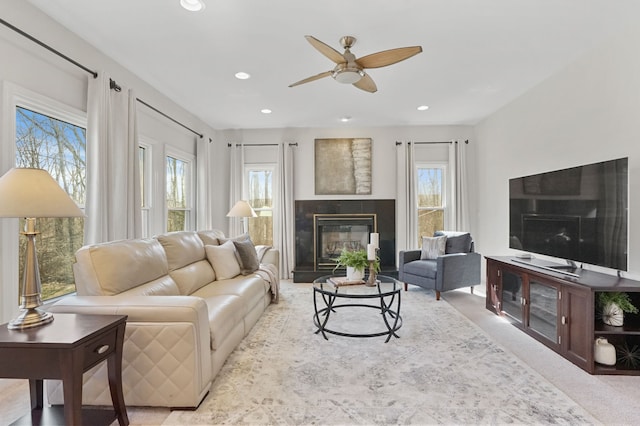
{"x":383,"y":151}
{"x":587,"y":113}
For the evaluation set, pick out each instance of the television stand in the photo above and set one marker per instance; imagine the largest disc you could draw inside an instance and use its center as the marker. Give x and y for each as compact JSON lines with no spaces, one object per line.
{"x":561,"y":311}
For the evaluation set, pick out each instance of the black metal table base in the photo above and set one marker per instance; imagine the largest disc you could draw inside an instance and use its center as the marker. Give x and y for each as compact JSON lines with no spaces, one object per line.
{"x":391,"y":318}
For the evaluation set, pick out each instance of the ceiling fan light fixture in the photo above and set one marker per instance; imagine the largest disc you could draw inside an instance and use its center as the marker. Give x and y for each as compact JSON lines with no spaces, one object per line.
{"x":192,"y":5}
{"x":347,"y":75}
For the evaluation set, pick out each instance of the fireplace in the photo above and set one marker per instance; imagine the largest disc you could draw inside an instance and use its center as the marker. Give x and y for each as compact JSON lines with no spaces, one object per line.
{"x":324,"y":227}
{"x":335,"y":232}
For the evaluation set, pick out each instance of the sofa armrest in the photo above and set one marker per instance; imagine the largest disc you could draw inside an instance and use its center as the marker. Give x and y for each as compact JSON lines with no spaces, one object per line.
{"x":139,"y":308}
{"x":407,"y":256}
{"x":458,"y":270}
{"x":267,"y":254}
{"x":167,"y":349}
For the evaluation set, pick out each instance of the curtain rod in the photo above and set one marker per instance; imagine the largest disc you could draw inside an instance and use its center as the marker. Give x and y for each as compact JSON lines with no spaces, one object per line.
{"x":431,"y":143}
{"x":170,"y":118}
{"x":229,"y":144}
{"x":49,"y":48}
{"x":112,"y":84}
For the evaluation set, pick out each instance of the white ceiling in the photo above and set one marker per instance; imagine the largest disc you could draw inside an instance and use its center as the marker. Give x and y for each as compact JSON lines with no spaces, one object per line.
{"x":477,"y":55}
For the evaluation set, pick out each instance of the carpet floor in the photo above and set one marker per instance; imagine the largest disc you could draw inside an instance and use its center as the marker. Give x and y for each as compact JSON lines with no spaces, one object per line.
{"x":443,"y":369}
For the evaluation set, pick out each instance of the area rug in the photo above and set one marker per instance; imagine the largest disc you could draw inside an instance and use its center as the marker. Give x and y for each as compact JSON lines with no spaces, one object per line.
{"x":441,"y":370}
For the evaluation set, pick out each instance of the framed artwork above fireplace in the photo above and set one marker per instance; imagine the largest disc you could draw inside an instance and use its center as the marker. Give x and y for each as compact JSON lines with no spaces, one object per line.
{"x":343,"y":166}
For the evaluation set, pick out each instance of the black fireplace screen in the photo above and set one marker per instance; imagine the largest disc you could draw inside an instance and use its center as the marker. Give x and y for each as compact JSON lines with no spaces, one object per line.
{"x":335,"y":232}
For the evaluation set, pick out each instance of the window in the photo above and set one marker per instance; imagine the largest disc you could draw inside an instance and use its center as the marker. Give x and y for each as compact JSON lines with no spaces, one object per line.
{"x":259,"y":182}
{"x":57,"y":146}
{"x":178,"y":190}
{"x":431,"y":202}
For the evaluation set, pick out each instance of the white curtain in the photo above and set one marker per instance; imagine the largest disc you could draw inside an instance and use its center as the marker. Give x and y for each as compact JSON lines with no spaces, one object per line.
{"x":204,"y":170}
{"x":113,"y":204}
{"x":236,"y":178}
{"x":460,"y":202}
{"x":284,"y":227}
{"x":407,"y":236}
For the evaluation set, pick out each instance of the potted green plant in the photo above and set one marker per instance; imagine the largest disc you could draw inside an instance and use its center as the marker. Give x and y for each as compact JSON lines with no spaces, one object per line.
{"x":613,"y":305}
{"x":355,"y":261}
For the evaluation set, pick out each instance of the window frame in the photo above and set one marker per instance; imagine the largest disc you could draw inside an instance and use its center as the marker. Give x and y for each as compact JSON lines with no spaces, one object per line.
{"x":14,"y":96}
{"x":148,"y":192}
{"x":272,"y":167}
{"x":446,"y":185}
{"x":190,"y":217}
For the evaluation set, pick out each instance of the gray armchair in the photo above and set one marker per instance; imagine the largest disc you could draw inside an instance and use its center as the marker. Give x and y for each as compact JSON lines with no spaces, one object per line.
{"x":458,"y":267}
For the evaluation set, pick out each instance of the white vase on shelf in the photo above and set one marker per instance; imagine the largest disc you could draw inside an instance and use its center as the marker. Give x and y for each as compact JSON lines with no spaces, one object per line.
{"x":604,"y":352}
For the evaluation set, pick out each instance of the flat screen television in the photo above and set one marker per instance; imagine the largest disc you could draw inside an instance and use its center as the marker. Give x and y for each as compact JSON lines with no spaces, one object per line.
{"x":579,"y":214}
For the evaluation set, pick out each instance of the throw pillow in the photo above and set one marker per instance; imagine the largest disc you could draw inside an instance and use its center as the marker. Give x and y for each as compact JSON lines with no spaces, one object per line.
{"x":247,"y":256}
{"x":457,"y":242}
{"x":223,"y":260}
{"x":432,"y":247}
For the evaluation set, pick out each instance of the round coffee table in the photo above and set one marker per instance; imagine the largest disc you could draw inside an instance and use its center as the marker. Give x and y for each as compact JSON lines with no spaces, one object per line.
{"x":383,"y":297}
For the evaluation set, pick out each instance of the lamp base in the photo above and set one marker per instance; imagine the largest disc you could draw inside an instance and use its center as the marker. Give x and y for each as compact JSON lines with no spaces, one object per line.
{"x":29,"y":318}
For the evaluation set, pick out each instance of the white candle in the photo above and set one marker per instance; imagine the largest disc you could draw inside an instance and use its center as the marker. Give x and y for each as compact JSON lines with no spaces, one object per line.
{"x":375,"y":239}
{"x":371,"y":252}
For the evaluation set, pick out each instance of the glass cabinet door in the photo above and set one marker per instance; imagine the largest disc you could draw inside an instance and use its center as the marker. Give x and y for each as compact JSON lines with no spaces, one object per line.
{"x":512,"y":295}
{"x":543,"y":310}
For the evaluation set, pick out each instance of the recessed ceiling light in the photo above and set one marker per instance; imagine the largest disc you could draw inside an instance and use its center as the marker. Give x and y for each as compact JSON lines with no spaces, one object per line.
{"x":345,"y":119}
{"x":423,"y":107}
{"x":192,"y":5}
{"x":242,"y":75}
{"x":265,"y":111}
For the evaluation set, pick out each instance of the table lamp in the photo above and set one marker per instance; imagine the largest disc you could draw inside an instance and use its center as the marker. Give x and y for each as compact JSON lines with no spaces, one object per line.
{"x":244,"y":210}
{"x":31,"y":193}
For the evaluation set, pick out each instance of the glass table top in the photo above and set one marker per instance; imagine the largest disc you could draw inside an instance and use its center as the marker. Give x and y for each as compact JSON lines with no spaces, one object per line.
{"x":330,"y":284}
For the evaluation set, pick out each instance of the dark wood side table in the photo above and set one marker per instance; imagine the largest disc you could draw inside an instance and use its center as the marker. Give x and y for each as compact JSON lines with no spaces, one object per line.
{"x":64,"y":349}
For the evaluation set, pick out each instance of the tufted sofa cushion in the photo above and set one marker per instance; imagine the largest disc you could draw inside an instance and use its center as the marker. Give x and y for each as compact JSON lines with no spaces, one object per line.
{"x":211,"y":237}
{"x":115,"y":267}
{"x":226,"y":311}
{"x":182,"y":248}
{"x":249,"y":289}
{"x":187,"y":260}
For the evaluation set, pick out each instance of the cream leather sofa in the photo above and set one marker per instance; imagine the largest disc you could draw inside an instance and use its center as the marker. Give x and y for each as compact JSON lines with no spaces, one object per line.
{"x":183,"y":321}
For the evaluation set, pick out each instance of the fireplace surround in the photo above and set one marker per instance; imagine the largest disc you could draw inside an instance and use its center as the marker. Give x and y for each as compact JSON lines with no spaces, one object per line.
{"x":325,"y":227}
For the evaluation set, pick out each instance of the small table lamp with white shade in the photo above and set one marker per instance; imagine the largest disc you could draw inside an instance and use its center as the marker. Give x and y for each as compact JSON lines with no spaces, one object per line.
{"x":31,"y":193}
{"x":243,"y":210}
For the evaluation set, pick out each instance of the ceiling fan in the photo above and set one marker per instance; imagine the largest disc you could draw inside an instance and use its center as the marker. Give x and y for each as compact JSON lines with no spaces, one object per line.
{"x":350,"y":70}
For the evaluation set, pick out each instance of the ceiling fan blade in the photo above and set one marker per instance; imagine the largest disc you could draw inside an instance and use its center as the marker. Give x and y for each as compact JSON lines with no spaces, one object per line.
{"x":366,"y":83}
{"x":313,"y":78}
{"x":326,"y":50}
{"x":388,"y":57}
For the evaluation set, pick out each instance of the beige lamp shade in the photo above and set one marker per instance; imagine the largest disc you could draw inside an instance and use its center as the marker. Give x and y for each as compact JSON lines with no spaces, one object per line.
{"x":242,"y":209}
{"x":30,"y":193}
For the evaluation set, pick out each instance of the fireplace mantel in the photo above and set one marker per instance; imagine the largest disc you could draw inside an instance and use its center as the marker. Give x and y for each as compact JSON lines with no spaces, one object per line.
{"x":365,"y":216}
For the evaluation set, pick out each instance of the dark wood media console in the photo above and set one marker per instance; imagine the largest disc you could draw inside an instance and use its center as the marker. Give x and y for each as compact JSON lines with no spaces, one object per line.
{"x":559,"y":310}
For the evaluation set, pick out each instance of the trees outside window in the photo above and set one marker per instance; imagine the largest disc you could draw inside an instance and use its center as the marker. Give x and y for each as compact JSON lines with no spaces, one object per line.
{"x":431,"y":199}
{"x":58,"y":147}
{"x":178,"y":191}
{"x":259,"y":183}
